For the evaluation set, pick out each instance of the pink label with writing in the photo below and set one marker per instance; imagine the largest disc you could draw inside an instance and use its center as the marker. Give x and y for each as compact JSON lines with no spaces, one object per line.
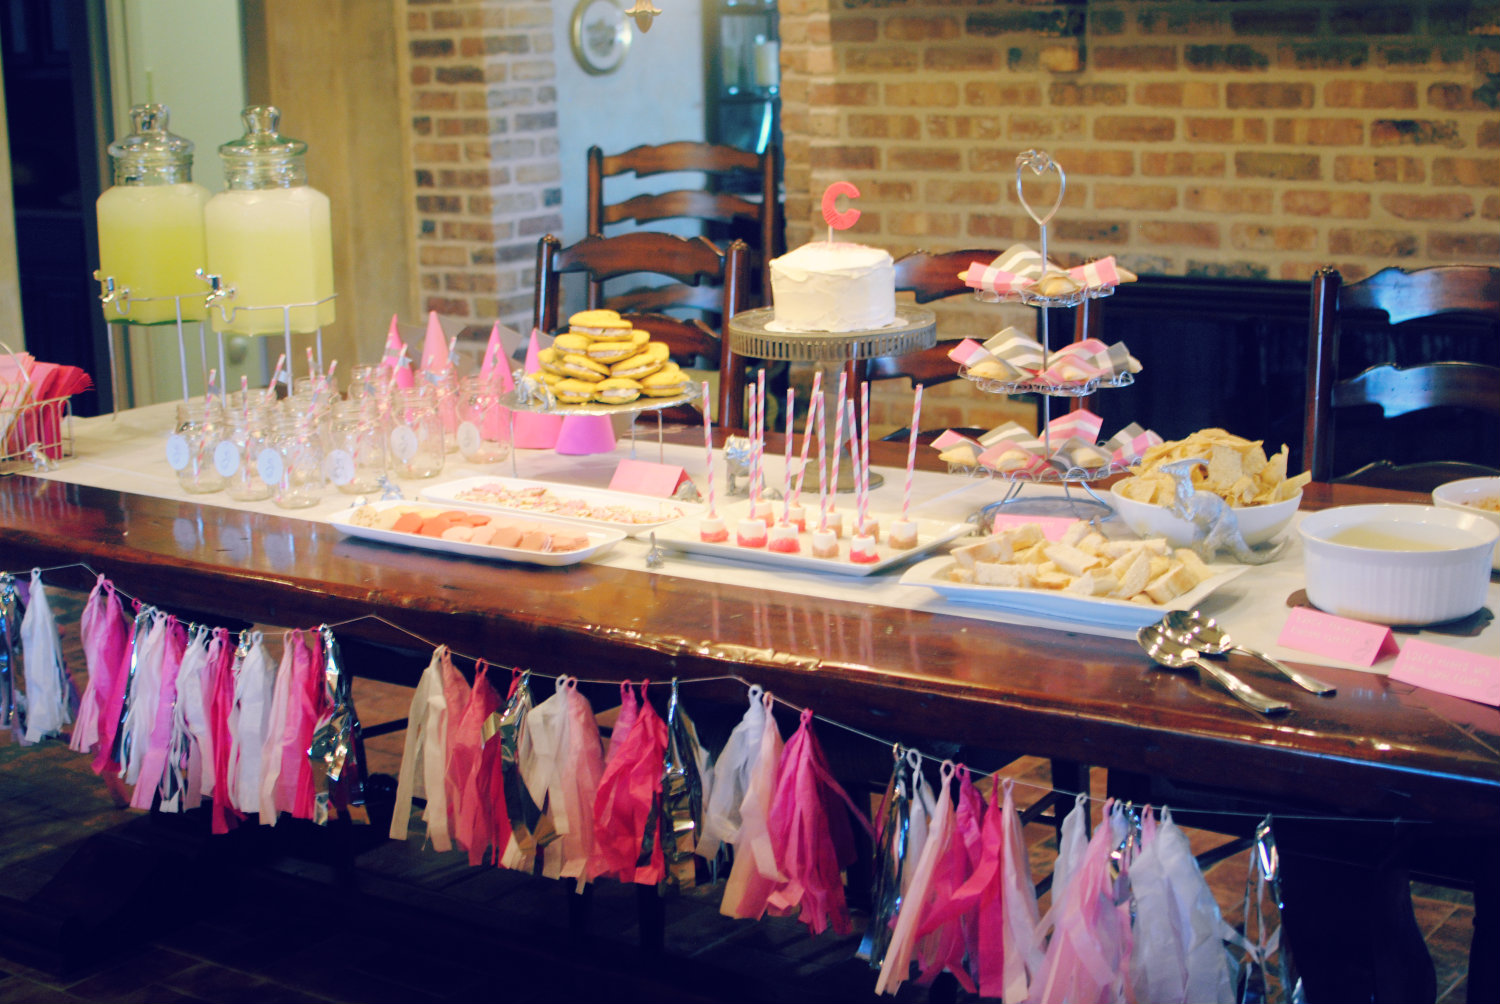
{"x":1053,"y":527}
{"x":1449,"y":671}
{"x":645,"y":478}
{"x":1337,"y":637}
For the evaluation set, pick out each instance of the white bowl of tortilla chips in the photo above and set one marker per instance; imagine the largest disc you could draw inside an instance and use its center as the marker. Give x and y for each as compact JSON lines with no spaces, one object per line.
{"x":1256,"y":487}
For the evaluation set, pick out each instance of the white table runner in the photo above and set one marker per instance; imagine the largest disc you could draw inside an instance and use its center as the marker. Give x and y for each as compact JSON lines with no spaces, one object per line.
{"x":127,"y":453}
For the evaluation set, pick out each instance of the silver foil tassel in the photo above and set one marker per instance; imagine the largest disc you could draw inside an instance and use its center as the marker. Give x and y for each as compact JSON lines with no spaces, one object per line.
{"x":682,"y":798}
{"x":120,"y":753}
{"x":890,"y":860}
{"x":529,"y":826}
{"x":337,"y":751}
{"x":12,"y":700}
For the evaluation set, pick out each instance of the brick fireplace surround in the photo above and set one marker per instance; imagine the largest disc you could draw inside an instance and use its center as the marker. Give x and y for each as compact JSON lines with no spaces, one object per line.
{"x":1254,"y":139}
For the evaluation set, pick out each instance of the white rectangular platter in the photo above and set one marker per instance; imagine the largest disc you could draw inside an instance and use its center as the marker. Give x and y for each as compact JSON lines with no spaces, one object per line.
{"x":597,"y":507}
{"x":683,"y":536}
{"x":599,"y":540}
{"x":1052,"y":604}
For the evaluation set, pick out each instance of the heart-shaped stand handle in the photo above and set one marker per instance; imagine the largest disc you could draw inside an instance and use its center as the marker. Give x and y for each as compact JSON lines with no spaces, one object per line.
{"x":1040,"y":162}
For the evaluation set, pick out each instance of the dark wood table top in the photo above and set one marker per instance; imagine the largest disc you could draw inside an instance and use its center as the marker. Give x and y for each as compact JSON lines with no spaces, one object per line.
{"x":1378,"y":748}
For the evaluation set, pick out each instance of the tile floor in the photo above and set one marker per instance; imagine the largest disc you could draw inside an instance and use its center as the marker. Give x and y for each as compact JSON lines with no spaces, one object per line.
{"x":283,"y":915}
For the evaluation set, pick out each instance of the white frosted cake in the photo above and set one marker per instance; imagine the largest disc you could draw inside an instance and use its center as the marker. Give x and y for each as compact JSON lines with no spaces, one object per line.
{"x":832,"y":286}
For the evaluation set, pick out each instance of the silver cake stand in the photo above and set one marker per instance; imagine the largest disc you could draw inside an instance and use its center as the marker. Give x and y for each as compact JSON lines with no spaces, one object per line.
{"x":915,"y":329}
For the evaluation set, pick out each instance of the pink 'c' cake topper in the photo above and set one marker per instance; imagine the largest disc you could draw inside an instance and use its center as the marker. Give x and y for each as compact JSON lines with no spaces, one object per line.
{"x":839,"y":220}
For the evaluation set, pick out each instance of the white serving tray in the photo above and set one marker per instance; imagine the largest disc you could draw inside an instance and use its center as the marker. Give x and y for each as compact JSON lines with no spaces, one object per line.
{"x":668,"y":510}
{"x":683,"y":536}
{"x":599,"y":540}
{"x":1100,"y":611}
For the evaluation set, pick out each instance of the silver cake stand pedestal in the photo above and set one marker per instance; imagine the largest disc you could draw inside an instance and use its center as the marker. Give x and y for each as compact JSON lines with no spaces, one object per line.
{"x":915,"y":328}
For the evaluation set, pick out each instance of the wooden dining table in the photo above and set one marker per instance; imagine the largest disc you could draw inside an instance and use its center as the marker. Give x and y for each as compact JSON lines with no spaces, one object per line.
{"x":1379,"y":748}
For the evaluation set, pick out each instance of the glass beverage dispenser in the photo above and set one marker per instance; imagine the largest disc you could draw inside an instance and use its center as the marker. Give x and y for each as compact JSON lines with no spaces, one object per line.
{"x":268,"y":235}
{"x":151,"y":225}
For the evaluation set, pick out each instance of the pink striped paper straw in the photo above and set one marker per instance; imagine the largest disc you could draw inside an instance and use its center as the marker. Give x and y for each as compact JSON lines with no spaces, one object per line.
{"x":754,"y":456}
{"x":708,"y":449}
{"x":786,"y":486}
{"x":822,"y":466}
{"x":911,"y":451}
{"x":814,"y":403}
{"x":838,"y":444}
{"x":861,"y":486}
{"x":760,"y":421}
{"x":864,"y":453}
{"x":275,"y":376}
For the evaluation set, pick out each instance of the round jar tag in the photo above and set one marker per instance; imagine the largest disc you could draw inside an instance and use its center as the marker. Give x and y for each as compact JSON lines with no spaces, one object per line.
{"x":403,"y":443}
{"x":338,"y":467}
{"x":270,"y":466}
{"x":227,"y":459}
{"x":178,"y":451}
{"x":468,"y":437}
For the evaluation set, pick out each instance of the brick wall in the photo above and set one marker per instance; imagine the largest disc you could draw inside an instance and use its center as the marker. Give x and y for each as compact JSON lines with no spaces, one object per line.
{"x":1256,"y":138}
{"x":483,"y":124}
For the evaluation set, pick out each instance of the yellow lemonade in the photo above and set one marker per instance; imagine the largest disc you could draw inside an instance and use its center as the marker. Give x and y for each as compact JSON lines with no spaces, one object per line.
{"x":151,"y":242}
{"x":274,"y":246}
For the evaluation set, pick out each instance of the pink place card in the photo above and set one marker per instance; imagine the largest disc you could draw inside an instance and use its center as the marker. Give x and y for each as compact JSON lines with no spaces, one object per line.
{"x":646,"y":478}
{"x":1053,"y":527}
{"x":1353,"y":641}
{"x":1449,"y":671}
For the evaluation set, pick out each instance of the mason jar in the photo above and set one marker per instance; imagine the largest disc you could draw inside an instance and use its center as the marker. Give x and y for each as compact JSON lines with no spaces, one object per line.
{"x":416,"y":433}
{"x":483,"y":431}
{"x":293,"y":467}
{"x":190,"y":447}
{"x":355,"y":461}
{"x":247,"y":432}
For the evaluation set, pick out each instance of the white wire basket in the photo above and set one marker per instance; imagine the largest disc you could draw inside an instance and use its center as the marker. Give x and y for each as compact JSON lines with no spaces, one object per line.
{"x":33,"y":432}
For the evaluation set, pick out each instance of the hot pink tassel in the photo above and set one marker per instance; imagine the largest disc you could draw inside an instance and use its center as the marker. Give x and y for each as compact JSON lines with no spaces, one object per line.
{"x":810,"y":835}
{"x":629,"y":798}
{"x":105,"y":635}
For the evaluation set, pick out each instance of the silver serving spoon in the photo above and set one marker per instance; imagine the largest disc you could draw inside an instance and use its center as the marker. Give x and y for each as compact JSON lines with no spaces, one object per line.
{"x":1173,"y":654}
{"x":1204,"y":634}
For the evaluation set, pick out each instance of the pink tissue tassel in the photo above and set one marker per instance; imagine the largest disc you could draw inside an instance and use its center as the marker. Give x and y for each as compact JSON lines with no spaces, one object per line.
{"x":105,"y":635}
{"x":629,"y":799}
{"x":811,"y":836}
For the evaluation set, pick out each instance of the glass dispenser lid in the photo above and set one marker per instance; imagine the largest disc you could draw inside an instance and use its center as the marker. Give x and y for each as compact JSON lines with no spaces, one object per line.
{"x":151,"y":154}
{"x":263,"y":157}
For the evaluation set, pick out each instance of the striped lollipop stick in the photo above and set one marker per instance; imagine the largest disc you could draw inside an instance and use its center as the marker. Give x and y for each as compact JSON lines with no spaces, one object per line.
{"x":814,"y":403}
{"x":822,"y":466}
{"x":708,"y":450}
{"x":786,"y":486}
{"x":911,"y":451}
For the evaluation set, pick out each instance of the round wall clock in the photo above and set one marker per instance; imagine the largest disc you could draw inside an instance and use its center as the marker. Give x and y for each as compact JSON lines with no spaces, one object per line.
{"x":601,"y":35}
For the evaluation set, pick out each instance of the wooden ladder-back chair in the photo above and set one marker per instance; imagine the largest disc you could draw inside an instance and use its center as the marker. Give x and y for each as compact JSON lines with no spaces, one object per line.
{"x":1452,"y":298}
{"x":932,"y":276}
{"x":693,"y":261}
{"x":728,"y":205}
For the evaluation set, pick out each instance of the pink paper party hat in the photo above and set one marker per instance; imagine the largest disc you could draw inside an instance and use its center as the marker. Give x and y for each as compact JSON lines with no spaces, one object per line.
{"x":395,"y":356}
{"x":435,"y":346}
{"x":582,"y":435}
{"x":496,"y":367}
{"x":533,"y":431}
{"x":494,"y":355}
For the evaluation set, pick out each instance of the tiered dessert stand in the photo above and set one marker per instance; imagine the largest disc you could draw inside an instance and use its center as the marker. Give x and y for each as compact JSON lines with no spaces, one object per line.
{"x":1041,"y":163}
